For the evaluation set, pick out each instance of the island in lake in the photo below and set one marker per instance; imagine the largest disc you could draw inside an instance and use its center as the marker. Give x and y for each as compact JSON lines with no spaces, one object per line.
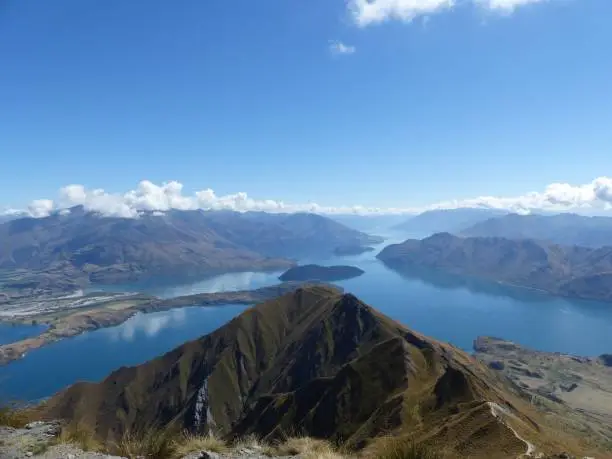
{"x":320,"y":273}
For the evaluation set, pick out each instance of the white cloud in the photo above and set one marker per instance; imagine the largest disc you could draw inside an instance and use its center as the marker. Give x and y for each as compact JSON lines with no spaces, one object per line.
{"x":40,"y":207}
{"x":337,"y":47}
{"x":150,"y":197}
{"x":593,"y":197}
{"x":366,"y":12}
{"x":506,"y":5}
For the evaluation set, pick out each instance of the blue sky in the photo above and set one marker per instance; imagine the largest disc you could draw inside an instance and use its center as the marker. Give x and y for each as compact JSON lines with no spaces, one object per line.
{"x":447,"y":102}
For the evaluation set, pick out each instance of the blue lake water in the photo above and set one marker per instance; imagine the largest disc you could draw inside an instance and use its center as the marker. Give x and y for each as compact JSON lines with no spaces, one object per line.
{"x":442,"y":306}
{"x":93,"y":355}
{"x":11,"y":333}
{"x":168,"y":288}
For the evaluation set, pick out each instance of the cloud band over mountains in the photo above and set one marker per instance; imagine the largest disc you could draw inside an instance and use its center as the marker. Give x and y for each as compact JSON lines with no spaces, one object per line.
{"x":592,"y":197}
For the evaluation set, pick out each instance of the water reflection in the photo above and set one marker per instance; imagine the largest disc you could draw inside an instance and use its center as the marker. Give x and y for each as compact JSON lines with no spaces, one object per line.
{"x":94,"y":355}
{"x":148,"y":325}
{"x":448,"y":281}
{"x":170,"y":288}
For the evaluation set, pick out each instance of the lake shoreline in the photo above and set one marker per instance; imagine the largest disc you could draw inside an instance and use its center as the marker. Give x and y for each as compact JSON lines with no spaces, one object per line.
{"x":82,"y":320}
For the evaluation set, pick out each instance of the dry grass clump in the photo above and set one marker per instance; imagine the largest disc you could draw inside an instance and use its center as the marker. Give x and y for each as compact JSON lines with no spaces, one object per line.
{"x":401,"y":448}
{"x":79,"y":435}
{"x":248,"y":442}
{"x":149,"y":443}
{"x":11,"y":416}
{"x":190,"y":443}
{"x":308,"y":448}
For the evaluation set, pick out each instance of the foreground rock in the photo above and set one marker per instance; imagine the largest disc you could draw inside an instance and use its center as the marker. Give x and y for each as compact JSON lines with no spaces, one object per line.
{"x":320,"y":273}
{"x":38,"y":440}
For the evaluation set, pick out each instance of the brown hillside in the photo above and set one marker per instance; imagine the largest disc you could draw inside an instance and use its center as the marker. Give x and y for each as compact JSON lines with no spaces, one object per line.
{"x":320,"y":363}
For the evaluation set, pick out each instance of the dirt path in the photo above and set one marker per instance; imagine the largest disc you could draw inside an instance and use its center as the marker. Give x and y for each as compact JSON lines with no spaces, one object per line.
{"x":500,"y":413}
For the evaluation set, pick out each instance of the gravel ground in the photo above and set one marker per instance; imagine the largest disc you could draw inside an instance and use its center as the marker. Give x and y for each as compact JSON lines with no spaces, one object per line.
{"x":36,"y":440}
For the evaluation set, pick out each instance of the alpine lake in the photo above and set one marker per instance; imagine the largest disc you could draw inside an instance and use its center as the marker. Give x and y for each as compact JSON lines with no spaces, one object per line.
{"x":445,"y":307}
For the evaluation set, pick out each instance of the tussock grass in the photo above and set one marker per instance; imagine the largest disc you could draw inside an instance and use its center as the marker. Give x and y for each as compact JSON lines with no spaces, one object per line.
{"x":166,"y":443}
{"x":11,"y":416}
{"x":401,"y":448}
{"x":306,"y":447}
{"x":190,"y":443}
{"x":79,"y":435}
{"x":151,"y":443}
{"x":248,"y":442}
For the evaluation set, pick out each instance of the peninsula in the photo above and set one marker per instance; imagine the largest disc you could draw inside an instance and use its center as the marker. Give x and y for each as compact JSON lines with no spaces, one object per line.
{"x":72,"y":316}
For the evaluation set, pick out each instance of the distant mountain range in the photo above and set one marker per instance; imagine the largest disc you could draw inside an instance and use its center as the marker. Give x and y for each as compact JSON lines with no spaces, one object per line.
{"x":319,"y":363}
{"x":563,"y":270}
{"x":106,"y":249}
{"x":447,"y":220}
{"x":566,"y":229}
{"x":369,"y":222}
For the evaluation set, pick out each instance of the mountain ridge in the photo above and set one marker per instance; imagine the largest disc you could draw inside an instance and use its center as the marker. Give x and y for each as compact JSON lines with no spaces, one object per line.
{"x":561,"y":270}
{"x":447,"y":220}
{"x":316,"y":362}
{"x":564,"y":229}
{"x":86,"y":247}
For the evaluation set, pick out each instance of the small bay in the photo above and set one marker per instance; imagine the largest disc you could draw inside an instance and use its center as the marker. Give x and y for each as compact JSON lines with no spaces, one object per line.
{"x":9,"y":333}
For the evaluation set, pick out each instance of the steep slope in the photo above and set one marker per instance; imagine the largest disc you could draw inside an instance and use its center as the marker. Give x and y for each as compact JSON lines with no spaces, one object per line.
{"x":447,"y":220}
{"x":182,"y":243}
{"x":573,"y":271}
{"x":315,"y":362}
{"x":565,"y":229}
